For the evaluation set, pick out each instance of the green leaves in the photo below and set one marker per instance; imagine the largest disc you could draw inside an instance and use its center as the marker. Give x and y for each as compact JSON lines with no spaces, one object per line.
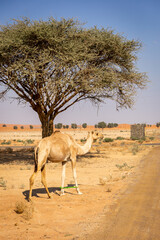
{"x":54,"y":64}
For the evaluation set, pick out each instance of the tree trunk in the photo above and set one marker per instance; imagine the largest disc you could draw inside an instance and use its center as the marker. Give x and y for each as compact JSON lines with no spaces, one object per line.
{"x":47,"y":127}
{"x":50,"y":129}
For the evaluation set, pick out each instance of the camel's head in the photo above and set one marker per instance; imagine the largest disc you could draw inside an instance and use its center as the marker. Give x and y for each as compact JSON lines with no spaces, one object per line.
{"x":96,"y":135}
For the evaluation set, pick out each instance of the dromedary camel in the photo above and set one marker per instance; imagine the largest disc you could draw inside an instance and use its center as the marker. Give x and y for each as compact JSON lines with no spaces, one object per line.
{"x":60,"y":147}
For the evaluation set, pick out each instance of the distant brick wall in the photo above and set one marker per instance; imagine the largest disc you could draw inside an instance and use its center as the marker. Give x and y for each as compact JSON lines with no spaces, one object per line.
{"x":137,"y":131}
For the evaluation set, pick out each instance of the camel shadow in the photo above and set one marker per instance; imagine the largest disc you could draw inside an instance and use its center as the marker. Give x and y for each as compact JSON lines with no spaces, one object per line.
{"x":55,"y":190}
{"x":37,"y":191}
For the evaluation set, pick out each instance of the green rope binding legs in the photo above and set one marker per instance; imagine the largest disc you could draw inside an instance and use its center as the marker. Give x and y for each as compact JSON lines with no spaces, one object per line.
{"x":68,"y":187}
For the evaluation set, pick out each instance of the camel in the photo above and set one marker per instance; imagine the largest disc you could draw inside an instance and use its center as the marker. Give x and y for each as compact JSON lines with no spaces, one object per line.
{"x":60,"y":147}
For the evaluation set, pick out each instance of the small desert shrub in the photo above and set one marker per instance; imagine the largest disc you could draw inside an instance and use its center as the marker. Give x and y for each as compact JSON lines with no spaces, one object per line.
{"x":15,"y":127}
{"x":19,"y":140}
{"x":108,"y":190}
{"x":24,"y":209}
{"x":123,"y":177}
{"x":3,"y":183}
{"x":108,"y":140}
{"x":120,"y":167}
{"x":102,"y":181}
{"x":6,"y":143}
{"x":135,"y":138}
{"x":134,"y":149}
{"x":20,"y":207}
{"x":122,"y":144}
{"x":29,"y":141}
{"x":120,"y":138}
{"x":83,"y":140}
{"x":151,"y":138}
{"x":21,"y":168}
{"x":28,"y":212}
{"x":140,"y":141}
{"x":124,"y":166}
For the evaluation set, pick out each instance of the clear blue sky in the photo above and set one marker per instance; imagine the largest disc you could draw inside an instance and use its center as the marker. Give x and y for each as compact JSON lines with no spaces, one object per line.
{"x":138,"y":19}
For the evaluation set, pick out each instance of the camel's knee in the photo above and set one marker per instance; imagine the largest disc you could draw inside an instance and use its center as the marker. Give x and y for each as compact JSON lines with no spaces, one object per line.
{"x":43,"y":174}
{"x":31,"y":181}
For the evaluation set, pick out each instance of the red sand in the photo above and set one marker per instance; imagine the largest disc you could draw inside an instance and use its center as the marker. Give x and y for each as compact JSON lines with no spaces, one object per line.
{"x":10,"y":127}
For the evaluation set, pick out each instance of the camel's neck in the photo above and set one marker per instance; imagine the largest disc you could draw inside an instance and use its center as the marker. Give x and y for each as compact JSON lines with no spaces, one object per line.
{"x":86,"y":147}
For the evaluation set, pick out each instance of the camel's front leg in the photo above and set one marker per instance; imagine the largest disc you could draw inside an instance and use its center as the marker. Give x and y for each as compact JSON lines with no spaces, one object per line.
{"x":75,"y":176}
{"x":63,"y":177}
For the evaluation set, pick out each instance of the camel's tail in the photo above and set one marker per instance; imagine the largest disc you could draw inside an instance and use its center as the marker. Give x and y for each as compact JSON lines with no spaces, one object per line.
{"x":36,"y":158}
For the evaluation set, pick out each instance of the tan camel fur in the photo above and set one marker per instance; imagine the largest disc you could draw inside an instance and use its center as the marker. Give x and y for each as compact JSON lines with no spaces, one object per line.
{"x":60,"y":147}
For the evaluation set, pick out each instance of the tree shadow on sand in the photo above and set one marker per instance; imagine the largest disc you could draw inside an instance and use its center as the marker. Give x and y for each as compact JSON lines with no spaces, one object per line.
{"x":15,"y":156}
{"x":12,"y":155}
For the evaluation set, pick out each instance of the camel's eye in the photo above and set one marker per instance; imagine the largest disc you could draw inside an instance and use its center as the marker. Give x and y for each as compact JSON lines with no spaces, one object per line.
{"x":97,"y":134}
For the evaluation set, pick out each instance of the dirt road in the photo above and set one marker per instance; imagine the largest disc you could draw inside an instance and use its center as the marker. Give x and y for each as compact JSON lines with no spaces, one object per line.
{"x":137,"y":215}
{"x":104,"y":175}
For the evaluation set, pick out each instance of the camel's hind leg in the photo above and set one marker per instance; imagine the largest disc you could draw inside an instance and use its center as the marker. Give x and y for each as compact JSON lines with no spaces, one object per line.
{"x":42,"y":158}
{"x":32,"y":178}
{"x":43,"y":179}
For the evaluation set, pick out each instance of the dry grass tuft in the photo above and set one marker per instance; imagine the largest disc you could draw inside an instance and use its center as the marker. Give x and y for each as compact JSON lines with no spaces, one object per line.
{"x":135,"y":149}
{"x":24,"y":209}
{"x":28,"y":212}
{"x":20,"y":207}
{"x":103,"y":181}
{"x":3,"y":183}
{"x":108,"y":190}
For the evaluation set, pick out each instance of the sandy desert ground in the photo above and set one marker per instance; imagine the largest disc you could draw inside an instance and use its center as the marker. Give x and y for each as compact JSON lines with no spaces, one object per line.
{"x":103,"y":176}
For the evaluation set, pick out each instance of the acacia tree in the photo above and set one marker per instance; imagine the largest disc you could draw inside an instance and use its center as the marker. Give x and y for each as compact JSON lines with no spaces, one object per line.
{"x":102,"y":125}
{"x":53,"y":64}
{"x":84,"y":125}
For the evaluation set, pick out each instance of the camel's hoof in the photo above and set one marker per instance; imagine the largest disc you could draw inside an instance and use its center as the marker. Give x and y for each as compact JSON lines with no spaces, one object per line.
{"x":80,"y":193}
{"x":62,"y":194}
{"x":49,"y":197}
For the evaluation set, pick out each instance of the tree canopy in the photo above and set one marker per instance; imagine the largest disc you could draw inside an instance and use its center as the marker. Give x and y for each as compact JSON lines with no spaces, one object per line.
{"x":84,"y":125}
{"x":53,"y":64}
{"x":102,"y":125}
